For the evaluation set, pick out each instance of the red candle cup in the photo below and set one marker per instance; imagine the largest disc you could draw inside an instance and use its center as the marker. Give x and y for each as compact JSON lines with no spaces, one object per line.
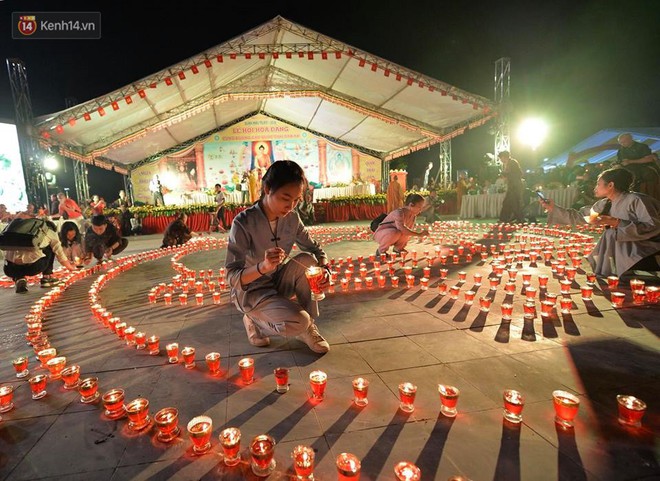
{"x":477,"y":279}
{"x":546,"y":308}
{"x":230,"y":440}
{"x":453,"y":292}
{"x":566,"y":303}
{"x":448,"y":400}
{"x":246,"y":367}
{"x":140,"y":340}
{"x":314,"y":275}
{"x":407,"y":471}
{"x":113,"y":402}
{"x":586,"y":291}
{"x":6,"y":397}
{"x":71,"y":376}
{"x":612,"y":282}
{"x":167,"y":297}
{"x":183,"y":299}
{"x":303,"y":462}
{"x":21,"y":366}
{"x":410,"y":281}
{"x":38,"y":386}
{"x":407,"y":393}
{"x":262,"y":449}
{"x":617,"y":299}
{"x":46,"y":355}
{"x":216,"y":297}
{"x":213,"y":363}
{"x":636,"y":284}
{"x":395,"y":281}
{"x":484,"y":303}
{"x":138,"y":414}
{"x":172,"y":352}
{"x":639,"y":297}
{"x":188,"y":354}
{"x":348,"y":467}
{"x":167,"y":422}
{"x":424,"y":283}
{"x":281,"y":379}
{"x":543,"y":280}
{"x":199,"y":299}
{"x":442,"y":288}
{"x":513,"y":405}
{"x":55,"y":367}
{"x":507,"y":311}
{"x":360,"y":390}
{"x":200,"y":429}
{"x":129,"y":335}
{"x":88,"y":389}
{"x":631,"y":410}
{"x":318,"y":381}
{"x":469,"y":297}
{"x":566,"y":408}
{"x":153,"y":344}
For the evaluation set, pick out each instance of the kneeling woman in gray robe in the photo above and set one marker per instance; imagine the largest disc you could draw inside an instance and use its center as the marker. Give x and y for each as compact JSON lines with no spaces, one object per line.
{"x":631,"y":239}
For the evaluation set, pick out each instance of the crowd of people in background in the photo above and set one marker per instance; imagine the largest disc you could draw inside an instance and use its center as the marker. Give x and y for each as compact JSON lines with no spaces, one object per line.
{"x":635,"y":157}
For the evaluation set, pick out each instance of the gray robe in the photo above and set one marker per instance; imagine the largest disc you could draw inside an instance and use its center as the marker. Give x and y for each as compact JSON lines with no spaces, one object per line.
{"x":249,"y":237}
{"x":636,"y":237}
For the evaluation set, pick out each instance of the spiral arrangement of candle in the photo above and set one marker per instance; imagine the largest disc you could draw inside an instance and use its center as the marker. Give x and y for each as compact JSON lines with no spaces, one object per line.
{"x":526,"y":244}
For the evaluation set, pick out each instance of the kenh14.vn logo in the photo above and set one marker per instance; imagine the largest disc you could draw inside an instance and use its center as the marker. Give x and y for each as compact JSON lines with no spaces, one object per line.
{"x":27,"y":24}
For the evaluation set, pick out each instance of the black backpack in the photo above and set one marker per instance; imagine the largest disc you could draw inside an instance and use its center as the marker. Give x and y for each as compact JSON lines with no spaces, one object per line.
{"x":23,"y":234}
{"x":376,"y":222}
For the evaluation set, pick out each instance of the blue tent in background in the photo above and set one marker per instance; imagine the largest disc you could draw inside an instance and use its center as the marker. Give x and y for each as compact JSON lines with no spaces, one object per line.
{"x":602,"y":147}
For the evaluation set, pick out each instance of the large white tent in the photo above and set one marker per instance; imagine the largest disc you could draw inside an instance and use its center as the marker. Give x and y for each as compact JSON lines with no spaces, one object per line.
{"x":280,"y":69}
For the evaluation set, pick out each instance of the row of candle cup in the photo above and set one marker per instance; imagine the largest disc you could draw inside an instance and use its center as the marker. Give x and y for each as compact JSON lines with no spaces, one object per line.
{"x":216,"y":296}
{"x":566,"y":404}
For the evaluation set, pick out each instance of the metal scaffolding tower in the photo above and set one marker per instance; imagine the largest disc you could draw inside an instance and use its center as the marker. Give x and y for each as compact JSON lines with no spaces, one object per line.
{"x":32,"y":168}
{"x":80,"y":178}
{"x":443,"y":177}
{"x":503,"y":102}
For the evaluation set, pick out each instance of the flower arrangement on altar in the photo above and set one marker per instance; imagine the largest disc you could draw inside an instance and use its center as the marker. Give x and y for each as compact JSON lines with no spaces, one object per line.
{"x":377,"y":199}
{"x":143,"y":211}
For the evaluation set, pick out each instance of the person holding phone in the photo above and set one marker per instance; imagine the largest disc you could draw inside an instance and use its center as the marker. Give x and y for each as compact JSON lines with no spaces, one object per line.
{"x":631,"y":239}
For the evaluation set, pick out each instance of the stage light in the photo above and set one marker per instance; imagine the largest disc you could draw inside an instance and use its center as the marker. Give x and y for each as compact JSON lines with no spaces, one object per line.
{"x":532,"y":132}
{"x":51,"y":163}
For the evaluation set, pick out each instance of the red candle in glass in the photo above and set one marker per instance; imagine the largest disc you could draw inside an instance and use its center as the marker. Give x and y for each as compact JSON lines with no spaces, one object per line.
{"x":360,"y":390}
{"x":407,"y":393}
{"x":318,"y":381}
{"x":631,"y":410}
{"x":230,"y":440}
{"x":213,"y":363}
{"x":188,"y":354}
{"x":38,"y":386}
{"x":484,"y":303}
{"x":639,"y":297}
{"x":507,"y":310}
{"x":21,"y":366}
{"x":246,"y":367}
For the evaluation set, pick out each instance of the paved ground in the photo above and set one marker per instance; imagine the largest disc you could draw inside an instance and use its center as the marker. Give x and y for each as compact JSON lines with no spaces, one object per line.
{"x":387,"y":336}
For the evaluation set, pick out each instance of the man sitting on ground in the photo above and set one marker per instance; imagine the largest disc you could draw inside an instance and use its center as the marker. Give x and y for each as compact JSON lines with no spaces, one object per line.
{"x":102,"y":240}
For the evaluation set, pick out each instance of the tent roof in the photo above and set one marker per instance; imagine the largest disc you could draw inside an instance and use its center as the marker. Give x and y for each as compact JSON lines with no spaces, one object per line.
{"x":280,"y":69}
{"x":603,"y":146}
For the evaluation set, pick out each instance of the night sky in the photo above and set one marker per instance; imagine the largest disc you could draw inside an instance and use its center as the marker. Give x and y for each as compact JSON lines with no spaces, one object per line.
{"x":581,"y":65}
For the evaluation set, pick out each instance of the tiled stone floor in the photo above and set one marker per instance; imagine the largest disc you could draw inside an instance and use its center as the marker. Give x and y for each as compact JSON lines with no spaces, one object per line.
{"x":387,"y":336}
